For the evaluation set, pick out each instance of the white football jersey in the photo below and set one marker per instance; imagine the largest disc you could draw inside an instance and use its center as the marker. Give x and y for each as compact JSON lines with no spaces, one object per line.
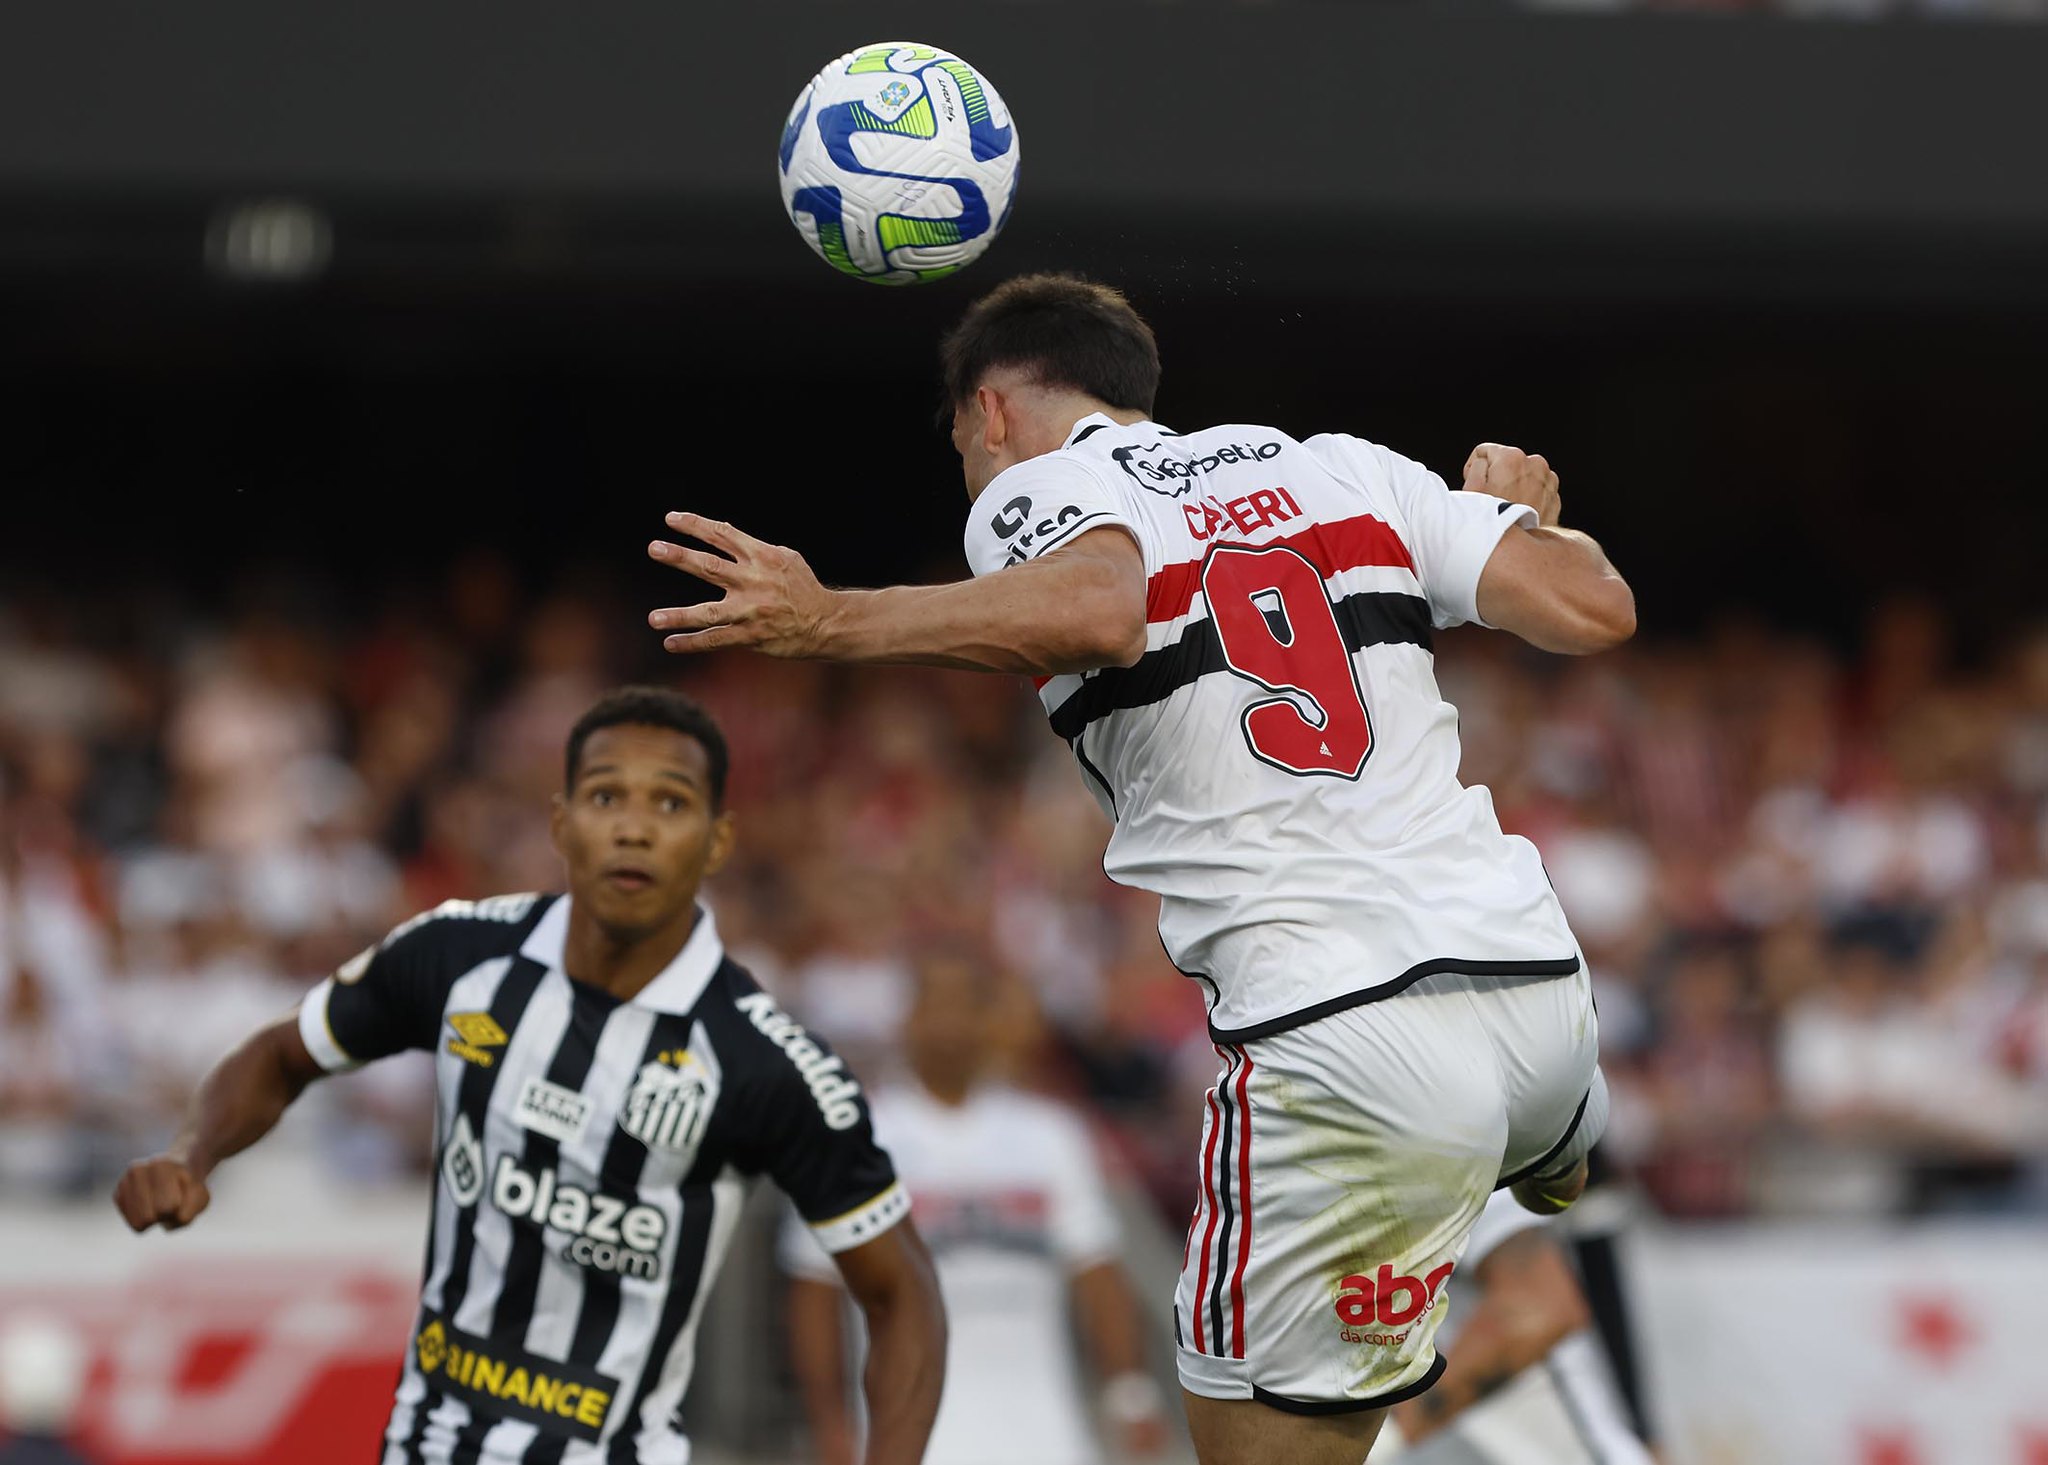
{"x":1008,"y":1193}
{"x":1280,"y":765}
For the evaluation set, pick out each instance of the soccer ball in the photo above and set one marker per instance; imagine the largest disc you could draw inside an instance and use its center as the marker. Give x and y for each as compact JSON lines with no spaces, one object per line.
{"x":899,"y":163}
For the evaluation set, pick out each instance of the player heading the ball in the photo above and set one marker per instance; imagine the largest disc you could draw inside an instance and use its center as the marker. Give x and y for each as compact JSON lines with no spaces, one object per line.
{"x":1232,"y":629}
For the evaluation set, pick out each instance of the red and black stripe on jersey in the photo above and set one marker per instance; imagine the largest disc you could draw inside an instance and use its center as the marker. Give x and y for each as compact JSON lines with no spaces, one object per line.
{"x":1367,"y":618}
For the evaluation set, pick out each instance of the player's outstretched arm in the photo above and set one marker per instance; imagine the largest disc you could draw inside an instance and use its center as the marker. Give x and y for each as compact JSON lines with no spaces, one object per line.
{"x":1076,"y":609}
{"x":238,"y":1103}
{"x":897,"y":1288}
{"x":1553,"y":587}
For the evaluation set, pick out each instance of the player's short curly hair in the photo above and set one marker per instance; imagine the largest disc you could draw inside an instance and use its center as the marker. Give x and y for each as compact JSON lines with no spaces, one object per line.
{"x":1070,"y":331}
{"x":652,"y":707}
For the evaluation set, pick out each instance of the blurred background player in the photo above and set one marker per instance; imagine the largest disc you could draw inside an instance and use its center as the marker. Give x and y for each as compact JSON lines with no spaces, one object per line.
{"x":1232,"y":630}
{"x":1012,"y":1200}
{"x":1528,"y":1382}
{"x":43,"y":1368}
{"x":609,"y":1081}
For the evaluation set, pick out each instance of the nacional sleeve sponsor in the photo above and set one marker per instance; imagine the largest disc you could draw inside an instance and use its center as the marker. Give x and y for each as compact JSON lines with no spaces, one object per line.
{"x":510,"y":1383}
{"x":832,"y":1089}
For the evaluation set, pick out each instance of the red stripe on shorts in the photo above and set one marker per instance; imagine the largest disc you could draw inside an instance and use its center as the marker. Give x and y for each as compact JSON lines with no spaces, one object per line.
{"x":1209,"y":1231}
{"x":1244,"y":1195}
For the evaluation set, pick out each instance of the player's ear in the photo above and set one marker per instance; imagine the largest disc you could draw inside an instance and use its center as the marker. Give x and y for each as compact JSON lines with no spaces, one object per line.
{"x":558,"y":816}
{"x":995,"y":423}
{"x":722,"y":834}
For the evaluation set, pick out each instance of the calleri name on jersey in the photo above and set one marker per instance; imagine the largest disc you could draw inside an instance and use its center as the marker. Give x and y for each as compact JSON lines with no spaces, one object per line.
{"x":593,"y":1157}
{"x":1280,"y":765}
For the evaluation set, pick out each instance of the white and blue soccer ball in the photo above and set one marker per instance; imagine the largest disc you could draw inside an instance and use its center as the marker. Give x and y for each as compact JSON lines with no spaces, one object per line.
{"x":899,"y":163}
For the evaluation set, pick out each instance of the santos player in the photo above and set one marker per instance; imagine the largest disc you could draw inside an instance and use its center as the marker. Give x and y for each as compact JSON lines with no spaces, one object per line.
{"x":1231,"y":629}
{"x":608,"y":1081}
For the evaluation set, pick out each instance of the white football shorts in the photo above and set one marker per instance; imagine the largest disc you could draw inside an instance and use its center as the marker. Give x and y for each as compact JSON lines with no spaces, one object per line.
{"x":1344,"y":1163}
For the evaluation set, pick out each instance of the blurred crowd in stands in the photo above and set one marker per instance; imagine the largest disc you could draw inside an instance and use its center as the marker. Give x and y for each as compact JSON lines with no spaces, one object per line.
{"x":1812,"y":883}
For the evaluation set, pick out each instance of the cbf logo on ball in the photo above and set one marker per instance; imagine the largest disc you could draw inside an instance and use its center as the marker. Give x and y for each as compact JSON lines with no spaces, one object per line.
{"x":899,"y":163}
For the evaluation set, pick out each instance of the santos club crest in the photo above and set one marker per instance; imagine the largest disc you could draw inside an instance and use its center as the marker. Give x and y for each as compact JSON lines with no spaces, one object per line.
{"x":670,"y":1102}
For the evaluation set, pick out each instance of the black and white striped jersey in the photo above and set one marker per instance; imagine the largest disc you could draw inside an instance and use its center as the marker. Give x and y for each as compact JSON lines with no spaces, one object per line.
{"x":593,"y":1156}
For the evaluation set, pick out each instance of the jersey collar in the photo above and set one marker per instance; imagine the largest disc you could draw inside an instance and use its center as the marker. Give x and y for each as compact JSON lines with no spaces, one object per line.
{"x":1089,"y":425}
{"x":1095,"y":421}
{"x":675,"y":988}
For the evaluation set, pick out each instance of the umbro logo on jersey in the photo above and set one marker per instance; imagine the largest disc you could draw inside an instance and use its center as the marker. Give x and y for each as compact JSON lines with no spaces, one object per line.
{"x":1173,"y":476}
{"x":549,"y":1109}
{"x":475,"y":1034}
{"x":832,"y":1091}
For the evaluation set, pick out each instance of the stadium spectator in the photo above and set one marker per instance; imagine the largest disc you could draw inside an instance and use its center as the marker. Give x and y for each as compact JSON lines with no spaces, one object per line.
{"x":1802,"y":876}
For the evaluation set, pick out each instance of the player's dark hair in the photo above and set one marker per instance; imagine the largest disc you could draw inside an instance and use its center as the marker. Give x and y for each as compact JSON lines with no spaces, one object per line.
{"x":652,"y":707}
{"x":1068,"y":331}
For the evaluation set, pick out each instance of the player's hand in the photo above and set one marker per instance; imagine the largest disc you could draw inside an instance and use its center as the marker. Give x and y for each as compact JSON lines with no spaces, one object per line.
{"x":772,"y":601}
{"x":1519,"y":477}
{"x":160,"y":1192}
